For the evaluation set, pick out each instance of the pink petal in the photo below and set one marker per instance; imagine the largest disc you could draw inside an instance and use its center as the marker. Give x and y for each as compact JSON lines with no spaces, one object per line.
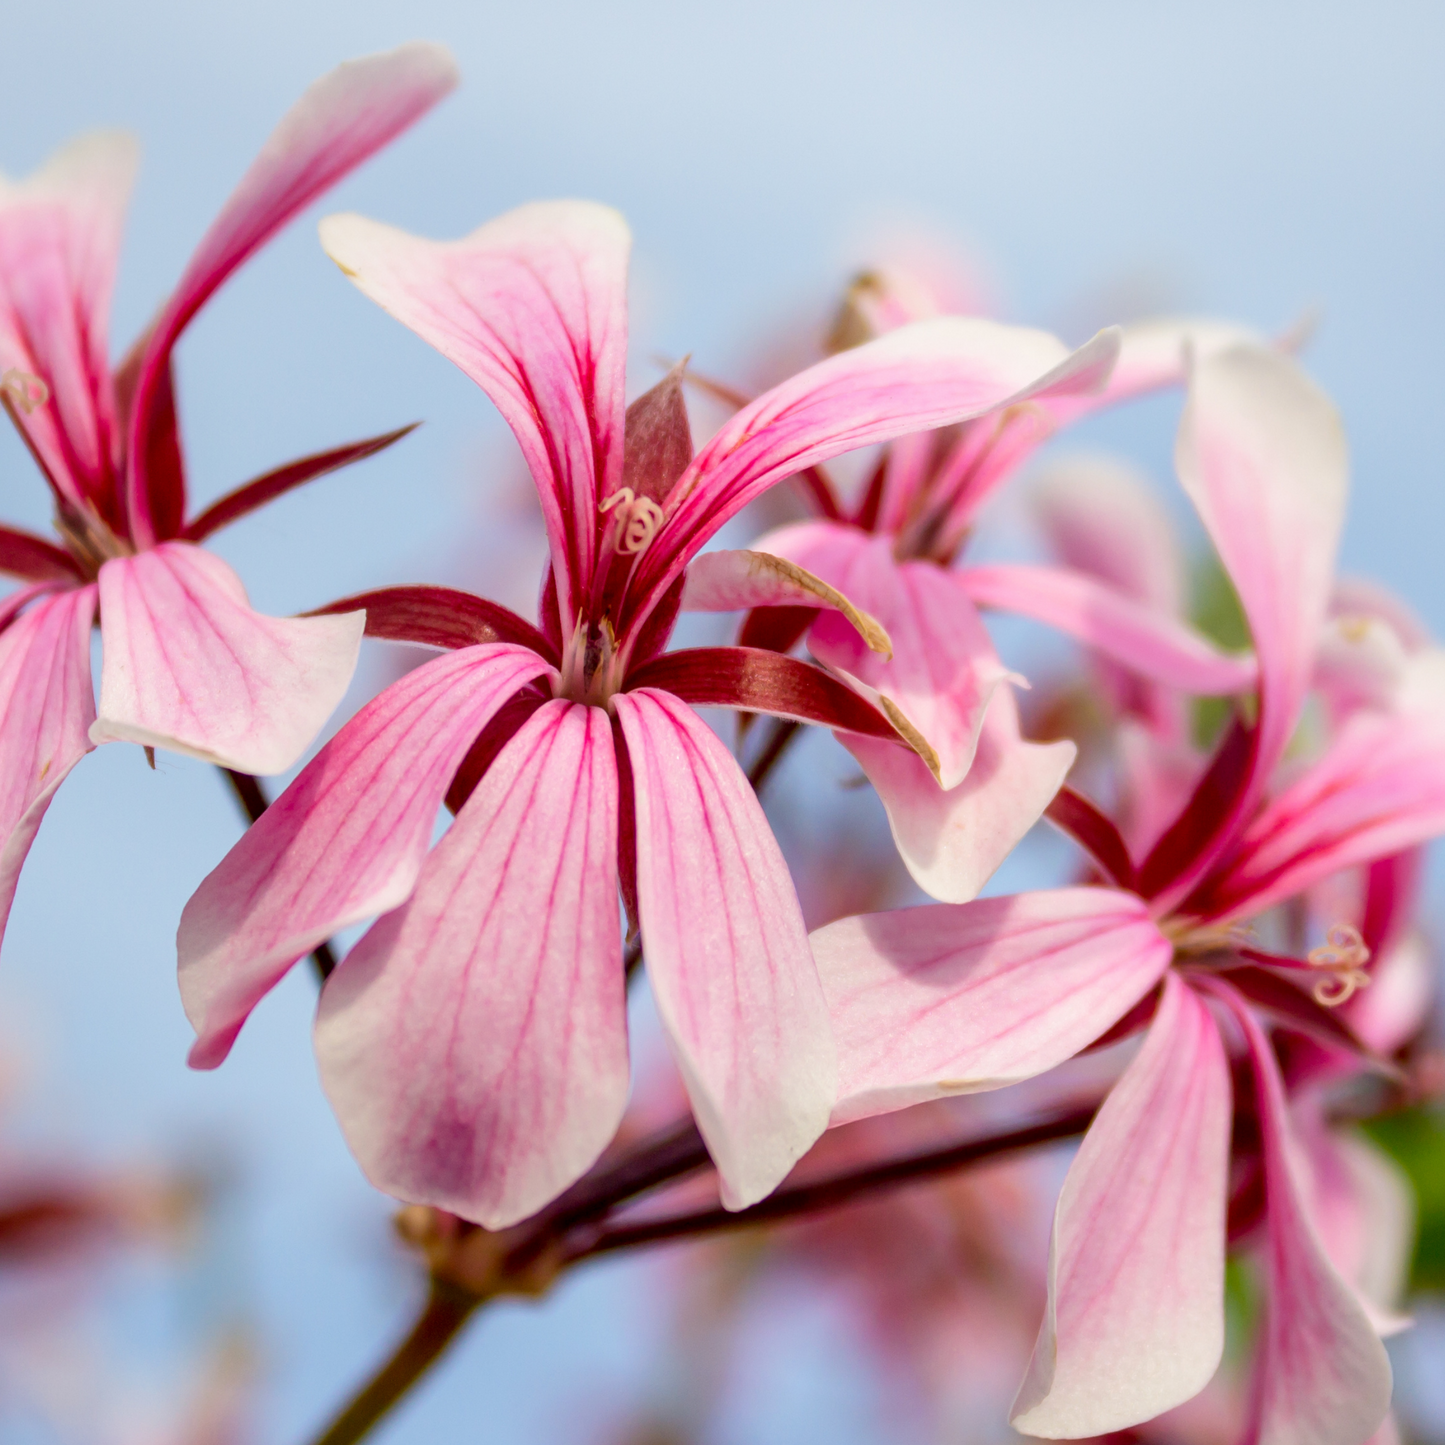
{"x":47,"y":706}
{"x":342,"y":119}
{"x":958,"y":998}
{"x":943,"y":671}
{"x":1135,"y":1318}
{"x":1261,"y":454}
{"x":474,"y":1043}
{"x":728,"y":581}
{"x":953,"y":841}
{"x":919,"y":377}
{"x":1145,"y":639}
{"x":187,"y":665}
{"x":1378,"y":789}
{"x":533,"y":307}
{"x":727,"y":954}
{"x":60,"y":233}
{"x":1155,"y":354}
{"x":1363,"y":1208}
{"x":1103,"y":518}
{"x":1322,"y":1376}
{"x":342,"y":843}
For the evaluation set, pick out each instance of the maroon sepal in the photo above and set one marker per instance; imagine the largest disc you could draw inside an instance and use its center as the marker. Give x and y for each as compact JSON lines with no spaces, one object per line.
{"x":262,"y":489}
{"x":440,"y":617}
{"x":866,"y":516}
{"x":757,"y":681}
{"x":490,"y":741}
{"x":1211,"y":803}
{"x":165,"y":471}
{"x":776,"y":629}
{"x":33,"y":559}
{"x":659,"y":624}
{"x":549,"y":614}
{"x":1295,"y":1009}
{"x":1094,"y":833}
{"x":657,"y":444}
{"x":814,"y":481}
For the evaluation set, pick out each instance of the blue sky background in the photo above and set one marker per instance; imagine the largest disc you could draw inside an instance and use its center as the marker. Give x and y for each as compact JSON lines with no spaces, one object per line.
{"x":1249,"y":160}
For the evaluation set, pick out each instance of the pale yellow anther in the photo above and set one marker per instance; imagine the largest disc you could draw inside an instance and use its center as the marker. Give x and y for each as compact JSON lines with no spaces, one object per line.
{"x":638,"y":520}
{"x":1344,"y":953}
{"x":24,"y":388}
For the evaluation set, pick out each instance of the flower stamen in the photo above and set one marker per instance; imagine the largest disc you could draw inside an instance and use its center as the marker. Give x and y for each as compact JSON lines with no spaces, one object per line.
{"x":1344,"y":953}
{"x":638,"y":520}
{"x":24,"y":388}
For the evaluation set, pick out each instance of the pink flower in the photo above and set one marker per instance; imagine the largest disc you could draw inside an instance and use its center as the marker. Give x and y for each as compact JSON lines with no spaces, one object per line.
{"x":894,"y":556}
{"x":474,"y":1042}
{"x":954,"y":998}
{"x":187,"y":665}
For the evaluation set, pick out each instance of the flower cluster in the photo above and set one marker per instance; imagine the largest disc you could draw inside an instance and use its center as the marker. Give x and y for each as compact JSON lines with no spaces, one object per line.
{"x":1242,"y":919}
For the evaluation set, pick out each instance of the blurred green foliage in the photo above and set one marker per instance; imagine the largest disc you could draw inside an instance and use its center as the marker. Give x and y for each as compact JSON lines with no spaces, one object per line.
{"x":1415,"y":1140}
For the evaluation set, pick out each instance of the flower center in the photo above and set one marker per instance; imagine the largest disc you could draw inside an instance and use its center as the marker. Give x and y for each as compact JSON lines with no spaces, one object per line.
{"x":638,"y":519}
{"x":591,"y":668}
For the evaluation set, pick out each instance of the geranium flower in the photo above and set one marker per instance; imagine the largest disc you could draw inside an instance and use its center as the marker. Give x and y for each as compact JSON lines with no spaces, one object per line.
{"x":956,"y":815}
{"x":953,"y":998}
{"x":186,"y":664}
{"x":474,"y":1042}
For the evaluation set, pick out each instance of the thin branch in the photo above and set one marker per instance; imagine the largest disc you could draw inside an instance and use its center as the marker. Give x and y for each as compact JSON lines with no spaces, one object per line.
{"x":800,"y":1199}
{"x":445,"y":1313}
{"x":784,"y":731}
{"x":252,"y":798}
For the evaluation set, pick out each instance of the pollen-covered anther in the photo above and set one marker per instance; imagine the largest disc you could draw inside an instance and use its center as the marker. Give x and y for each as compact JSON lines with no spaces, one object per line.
{"x":24,"y":388}
{"x":638,"y":520}
{"x":1344,"y":953}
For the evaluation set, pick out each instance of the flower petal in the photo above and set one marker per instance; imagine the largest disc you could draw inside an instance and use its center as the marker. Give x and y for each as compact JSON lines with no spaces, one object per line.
{"x":727,"y":953}
{"x":60,"y":232}
{"x":919,"y":377}
{"x":343,"y":118}
{"x":342,"y":843}
{"x":188,"y":666}
{"x":1262,"y":455}
{"x":533,"y":307}
{"x":474,"y":1043}
{"x":1147,"y":640}
{"x":1135,"y":1319}
{"x":47,"y":706}
{"x":1321,"y":1374}
{"x":957,"y":998}
{"x":1378,"y":789}
{"x":728,"y":581}
{"x":951,"y":842}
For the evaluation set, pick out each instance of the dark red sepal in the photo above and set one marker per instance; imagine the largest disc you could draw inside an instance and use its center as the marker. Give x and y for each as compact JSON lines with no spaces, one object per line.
{"x":776,"y":629}
{"x":33,"y":559}
{"x":1138,"y":1017}
{"x":758,"y":681}
{"x":490,"y":741}
{"x":440,"y":617}
{"x":262,"y":489}
{"x":1094,"y":833}
{"x":626,"y":830}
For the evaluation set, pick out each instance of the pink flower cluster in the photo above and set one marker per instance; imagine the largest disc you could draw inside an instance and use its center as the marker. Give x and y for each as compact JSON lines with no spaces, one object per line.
{"x":1232,"y":901}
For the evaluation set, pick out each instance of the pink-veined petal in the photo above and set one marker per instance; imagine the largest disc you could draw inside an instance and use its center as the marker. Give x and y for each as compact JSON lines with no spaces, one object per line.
{"x":474,"y":1043}
{"x":342,"y":843}
{"x":957,"y":998}
{"x":919,"y":377}
{"x":729,"y":581}
{"x":1262,"y":455}
{"x":1380,"y":788}
{"x":953,"y":841}
{"x":343,"y":118}
{"x":60,"y":233}
{"x":46,"y":704}
{"x":1135,"y":1319}
{"x":943,"y":671}
{"x":727,"y":954}
{"x":1151,"y":642}
{"x":533,"y":307}
{"x":1322,"y":1375}
{"x":1363,"y":1208}
{"x":188,"y":666}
